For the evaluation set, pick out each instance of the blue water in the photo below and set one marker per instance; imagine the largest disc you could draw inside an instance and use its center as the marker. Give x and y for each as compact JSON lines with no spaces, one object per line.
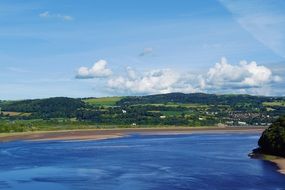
{"x":198,"y":161}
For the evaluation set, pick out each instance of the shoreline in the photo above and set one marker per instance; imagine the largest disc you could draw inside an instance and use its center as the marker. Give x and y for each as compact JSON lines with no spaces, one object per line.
{"x":100,"y":134}
{"x":277,"y":160}
{"x":280,"y":162}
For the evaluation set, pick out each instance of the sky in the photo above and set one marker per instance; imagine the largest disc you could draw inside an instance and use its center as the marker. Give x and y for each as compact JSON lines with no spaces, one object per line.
{"x":96,"y":48}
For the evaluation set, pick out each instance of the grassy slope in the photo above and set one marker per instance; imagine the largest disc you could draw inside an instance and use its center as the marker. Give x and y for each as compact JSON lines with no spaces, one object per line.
{"x":172,"y":104}
{"x":274,"y":103}
{"x":106,"y":101}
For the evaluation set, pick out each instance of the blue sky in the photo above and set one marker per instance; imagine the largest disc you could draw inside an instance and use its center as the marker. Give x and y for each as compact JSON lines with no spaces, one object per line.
{"x":134,"y":47}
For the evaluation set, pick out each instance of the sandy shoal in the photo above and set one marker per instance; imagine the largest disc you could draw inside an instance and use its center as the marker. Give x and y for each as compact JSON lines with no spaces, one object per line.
{"x":280,"y":162}
{"x":99,"y":134}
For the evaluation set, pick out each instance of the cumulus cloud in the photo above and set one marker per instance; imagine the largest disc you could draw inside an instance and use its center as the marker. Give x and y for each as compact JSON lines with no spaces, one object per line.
{"x":223,"y":77}
{"x":146,"y":51}
{"x":48,"y":15}
{"x":243,"y":75}
{"x":98,"y":70}
{"x":151,"y":82}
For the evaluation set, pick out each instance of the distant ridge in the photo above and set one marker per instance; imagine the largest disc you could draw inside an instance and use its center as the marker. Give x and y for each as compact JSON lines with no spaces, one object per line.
{"x":198,"y":98}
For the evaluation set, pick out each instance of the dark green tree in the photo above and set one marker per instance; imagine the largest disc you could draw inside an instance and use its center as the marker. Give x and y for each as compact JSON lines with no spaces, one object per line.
{"x":272,"y":140}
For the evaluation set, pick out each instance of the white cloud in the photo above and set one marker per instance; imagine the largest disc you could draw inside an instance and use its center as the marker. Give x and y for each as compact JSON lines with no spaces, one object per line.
{"x":44,"y":14}
{"x":152,"y":82}
{"x":146,"y":51}
{"x":243,"y":75}
{"x":155,"y":81}
{"x":99,"y":70}
{"x":223,"y":77}
{"x":47,"y":15}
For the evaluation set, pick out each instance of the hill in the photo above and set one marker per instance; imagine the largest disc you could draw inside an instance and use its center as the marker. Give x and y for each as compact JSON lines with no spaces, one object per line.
{"x":44,"y":108}
{"x":198,"y":98}
{"x":174,"y":109}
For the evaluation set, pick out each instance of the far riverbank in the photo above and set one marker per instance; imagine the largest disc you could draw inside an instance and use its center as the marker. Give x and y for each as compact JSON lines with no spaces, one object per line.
{"x":99,"y":134}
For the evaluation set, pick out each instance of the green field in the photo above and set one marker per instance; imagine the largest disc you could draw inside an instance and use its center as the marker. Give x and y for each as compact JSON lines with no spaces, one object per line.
{"x":172,"y":104}
{"x":106,"y":101}
{"x":171,"y":113}
{"x":274,"y":104}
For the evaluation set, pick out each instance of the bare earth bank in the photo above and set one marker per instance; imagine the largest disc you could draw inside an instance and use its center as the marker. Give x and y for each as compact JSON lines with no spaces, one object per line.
{"x":279,"y":161}
{"x":97,"y":134}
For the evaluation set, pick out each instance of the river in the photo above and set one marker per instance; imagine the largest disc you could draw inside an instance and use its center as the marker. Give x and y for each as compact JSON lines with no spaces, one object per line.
{"x":139,"y":162}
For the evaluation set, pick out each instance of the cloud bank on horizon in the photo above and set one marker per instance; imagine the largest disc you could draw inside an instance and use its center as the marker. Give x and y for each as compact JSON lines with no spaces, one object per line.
{"x":223,"y":77}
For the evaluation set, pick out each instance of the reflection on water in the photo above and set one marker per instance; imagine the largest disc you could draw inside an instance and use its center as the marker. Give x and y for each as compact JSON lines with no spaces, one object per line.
{"x":200,"y":161}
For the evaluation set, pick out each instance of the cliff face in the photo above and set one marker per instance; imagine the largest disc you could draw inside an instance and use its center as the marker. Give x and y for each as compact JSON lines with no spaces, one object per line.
{"x":272,"y":140}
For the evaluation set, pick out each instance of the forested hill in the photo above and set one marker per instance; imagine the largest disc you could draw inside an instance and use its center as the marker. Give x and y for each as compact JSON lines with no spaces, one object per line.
{"x":198,"y":98}
{"x":195,"y":109}
{"x":64,"y":104}
{"x":46,"y":108}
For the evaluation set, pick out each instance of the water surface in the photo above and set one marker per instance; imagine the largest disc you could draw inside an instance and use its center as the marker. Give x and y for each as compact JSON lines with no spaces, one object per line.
{"x":198,"y":161}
